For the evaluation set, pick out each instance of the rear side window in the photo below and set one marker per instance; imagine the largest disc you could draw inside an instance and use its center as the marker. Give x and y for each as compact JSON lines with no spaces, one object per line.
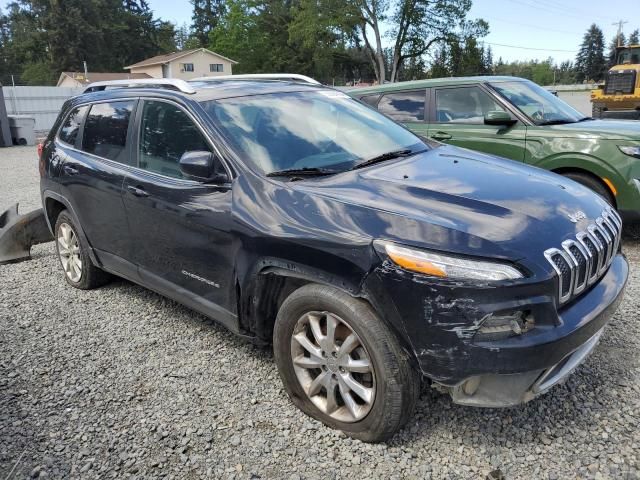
{"x":404,"y":106}
{"x":105,"y":130}
{"x":71,"y":126}
{"x":166,"y":133}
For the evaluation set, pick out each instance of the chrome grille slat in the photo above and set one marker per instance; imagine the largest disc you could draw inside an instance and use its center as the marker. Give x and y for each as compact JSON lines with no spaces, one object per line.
{"x":581,"y":262}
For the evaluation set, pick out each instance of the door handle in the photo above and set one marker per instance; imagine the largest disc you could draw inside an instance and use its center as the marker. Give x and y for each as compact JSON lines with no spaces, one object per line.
{"x":69,"y":170}
{"x":137,"y":191}
{"x":441,"y":136}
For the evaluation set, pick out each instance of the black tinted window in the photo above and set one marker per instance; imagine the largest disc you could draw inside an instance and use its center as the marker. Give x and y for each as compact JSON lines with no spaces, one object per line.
{"x":71,"y":126}
{"x":166,"y":132}
{"x":404,"y":106}
{"x":105,"y":130}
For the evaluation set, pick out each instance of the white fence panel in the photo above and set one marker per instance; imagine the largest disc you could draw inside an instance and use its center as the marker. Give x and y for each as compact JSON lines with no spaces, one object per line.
{"x":41,"y":103}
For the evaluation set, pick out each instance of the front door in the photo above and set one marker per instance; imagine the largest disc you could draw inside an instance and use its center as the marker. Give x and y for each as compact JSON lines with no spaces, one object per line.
{"x":458,"y":119}
{"x":183,"y":235}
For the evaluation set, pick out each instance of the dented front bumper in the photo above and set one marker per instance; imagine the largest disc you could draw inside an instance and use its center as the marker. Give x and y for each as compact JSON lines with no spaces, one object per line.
{"x":440,"y":323}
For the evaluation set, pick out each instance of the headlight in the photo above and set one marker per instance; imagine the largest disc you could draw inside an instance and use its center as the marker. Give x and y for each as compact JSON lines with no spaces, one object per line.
{"x":631,"y":151}
{"x":444,"y":266}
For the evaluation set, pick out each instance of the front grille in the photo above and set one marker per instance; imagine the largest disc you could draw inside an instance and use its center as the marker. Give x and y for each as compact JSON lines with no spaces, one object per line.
{"x":620,"y":81}
{"x":581,"y":262}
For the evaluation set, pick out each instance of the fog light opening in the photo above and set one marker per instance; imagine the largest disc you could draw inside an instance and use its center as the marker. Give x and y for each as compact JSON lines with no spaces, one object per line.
{"x":471,"y":386}
{"x":501,"y":325}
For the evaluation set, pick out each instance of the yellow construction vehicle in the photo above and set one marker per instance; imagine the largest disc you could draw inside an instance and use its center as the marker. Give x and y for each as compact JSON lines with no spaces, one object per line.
{"x":619,"y":96}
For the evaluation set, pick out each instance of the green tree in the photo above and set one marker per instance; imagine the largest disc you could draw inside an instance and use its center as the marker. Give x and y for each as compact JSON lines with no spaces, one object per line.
{"x":205,"y":18}
{"x":43,"y":37}
{"x":416,"y":26}
{"x":590,"y":61}
{"x":634,"y":37}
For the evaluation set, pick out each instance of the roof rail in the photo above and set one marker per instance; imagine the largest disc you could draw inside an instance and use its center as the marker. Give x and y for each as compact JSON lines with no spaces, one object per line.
{"x":295,"y":77}
{"x":169,"y":83}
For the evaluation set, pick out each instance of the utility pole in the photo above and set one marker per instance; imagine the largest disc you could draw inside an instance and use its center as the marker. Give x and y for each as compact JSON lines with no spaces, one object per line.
{"x":85,"y":70}
{"x":619,"y":24}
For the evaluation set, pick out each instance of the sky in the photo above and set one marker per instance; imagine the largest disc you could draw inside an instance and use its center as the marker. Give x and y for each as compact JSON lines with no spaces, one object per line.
{"x":540,"y":28}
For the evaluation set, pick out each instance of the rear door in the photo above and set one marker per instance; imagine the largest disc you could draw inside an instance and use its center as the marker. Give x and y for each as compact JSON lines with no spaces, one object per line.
{"x":182,"y":229}
{"x":407,"y":107}
{"x":458,"y":118}
{"x":94,"y":143}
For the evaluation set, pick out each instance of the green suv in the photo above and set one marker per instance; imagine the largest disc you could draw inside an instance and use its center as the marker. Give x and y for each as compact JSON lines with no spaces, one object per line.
{"x":517,"y":119}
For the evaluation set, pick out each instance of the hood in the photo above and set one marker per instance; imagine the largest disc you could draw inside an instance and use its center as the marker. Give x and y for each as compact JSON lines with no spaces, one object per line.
{"x":456,"y":200}
{"x":600,"y":129}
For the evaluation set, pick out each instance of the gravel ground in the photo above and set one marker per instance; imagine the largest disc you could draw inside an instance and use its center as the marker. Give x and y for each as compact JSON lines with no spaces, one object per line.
{"x":120,"y":382}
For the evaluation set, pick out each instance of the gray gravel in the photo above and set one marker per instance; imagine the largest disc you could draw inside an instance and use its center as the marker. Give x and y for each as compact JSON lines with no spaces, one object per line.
{"x":120,"y":382}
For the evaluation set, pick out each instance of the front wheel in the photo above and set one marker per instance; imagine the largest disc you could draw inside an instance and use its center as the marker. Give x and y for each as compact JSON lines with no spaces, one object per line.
{"x":342,"y":365}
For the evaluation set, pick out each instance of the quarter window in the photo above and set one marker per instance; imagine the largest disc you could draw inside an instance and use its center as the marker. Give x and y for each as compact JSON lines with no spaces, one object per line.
{"x":105,"y":130}
{"x":371,"y":100}
{"x":166,"y":133}
{"x":216,"y":67}
{"x":187,"y":67}
{"x":404,"y":106}
{"x":467,"y":105}
{"x":71,"y":126}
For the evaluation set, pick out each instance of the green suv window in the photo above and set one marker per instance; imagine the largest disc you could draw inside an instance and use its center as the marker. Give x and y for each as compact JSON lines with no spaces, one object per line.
{"x":464,"y":105}
{"x":403,"y":106}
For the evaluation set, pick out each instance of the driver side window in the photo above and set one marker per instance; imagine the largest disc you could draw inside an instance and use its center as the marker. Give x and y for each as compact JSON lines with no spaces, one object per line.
{"x":467,"y":105}
{"x":166,"y":133}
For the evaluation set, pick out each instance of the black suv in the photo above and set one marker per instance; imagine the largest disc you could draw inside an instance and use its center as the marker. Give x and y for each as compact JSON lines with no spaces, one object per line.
{"x":370,"y":257}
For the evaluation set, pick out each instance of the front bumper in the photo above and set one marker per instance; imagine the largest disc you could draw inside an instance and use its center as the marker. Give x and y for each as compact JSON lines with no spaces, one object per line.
{"x":509,"y":390}
{"x":439,"y":323}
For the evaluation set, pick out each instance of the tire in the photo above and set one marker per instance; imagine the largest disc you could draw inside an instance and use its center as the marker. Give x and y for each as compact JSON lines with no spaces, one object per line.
{"x":392,"y":384}
{"x":592,"y":183}
{"x":73,"y":253}
{"x":632,"y":231}
{"x":596,"y":111}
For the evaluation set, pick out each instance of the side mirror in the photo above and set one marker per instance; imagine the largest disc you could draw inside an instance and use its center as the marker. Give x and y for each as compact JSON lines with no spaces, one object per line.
{"x":498,"y":117}
{"x":199,"y":165}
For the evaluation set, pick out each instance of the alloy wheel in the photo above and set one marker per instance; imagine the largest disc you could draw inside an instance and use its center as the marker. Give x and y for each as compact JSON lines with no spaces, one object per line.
{"x":69,"y":252}
{"x":333,"y":366}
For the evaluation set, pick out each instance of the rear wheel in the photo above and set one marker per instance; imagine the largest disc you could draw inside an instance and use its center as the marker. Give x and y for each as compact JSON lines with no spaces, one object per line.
{"x":592,"y":183}
{"x":73,"y":253}
{"x":341,"y":364}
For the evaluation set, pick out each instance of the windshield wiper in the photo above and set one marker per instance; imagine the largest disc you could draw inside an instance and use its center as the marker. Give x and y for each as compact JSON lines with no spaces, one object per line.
{"x":302,"y":172}
{"x":386,"y":156}
{"x":584,"y":119}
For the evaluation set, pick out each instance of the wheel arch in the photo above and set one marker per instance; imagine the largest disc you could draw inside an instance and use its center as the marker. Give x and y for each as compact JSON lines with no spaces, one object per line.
{"x":55,"y":203}
{"x":582,"y":171}
{"x":270,"y":283}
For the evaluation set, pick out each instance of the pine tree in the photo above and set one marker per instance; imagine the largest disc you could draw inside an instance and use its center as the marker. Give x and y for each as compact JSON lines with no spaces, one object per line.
{"x":206,"y":16}
{"x":633,"y":38}
{"x":590,"y":61}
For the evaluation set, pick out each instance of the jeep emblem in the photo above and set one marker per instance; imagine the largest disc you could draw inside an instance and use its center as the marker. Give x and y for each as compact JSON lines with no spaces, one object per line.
{"x":576,"y":217}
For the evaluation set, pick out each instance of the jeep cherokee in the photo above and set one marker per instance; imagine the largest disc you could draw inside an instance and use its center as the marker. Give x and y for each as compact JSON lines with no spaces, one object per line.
{"x":293,"y":214}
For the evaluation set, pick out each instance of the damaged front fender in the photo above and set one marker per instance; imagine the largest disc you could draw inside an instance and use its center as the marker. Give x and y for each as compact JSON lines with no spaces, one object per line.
{"x":18,"y":233}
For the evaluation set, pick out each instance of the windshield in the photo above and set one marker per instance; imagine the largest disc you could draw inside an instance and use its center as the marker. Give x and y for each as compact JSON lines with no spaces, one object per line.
{"x":629,"y":55}
{"x":307,"y":130}
{"x":537,"y":103}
